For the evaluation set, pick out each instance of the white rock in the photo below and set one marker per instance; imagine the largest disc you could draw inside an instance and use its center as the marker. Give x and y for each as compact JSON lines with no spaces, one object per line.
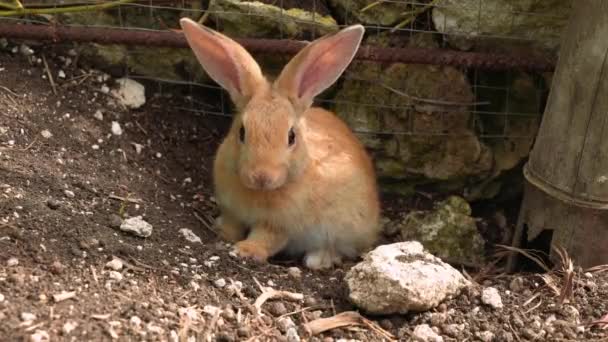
{"x":402,"y":277}
{"x":135,"y":321}
{"x":138,"y":147}
{"x":115,"y":275}
{"x":28,"y":316}
{"x":424,"y":333}
{"x":95,"y":147}
{"x":294,"y":272}
{"x":98,"y":115}
{"x":116,"y":129}
{"x":292,"y":335}
{"x":1,"y":298}
{"x":61,"y":74}
{"x":46,"y":133}
{"x":189,"y":235}
{"x":40,"y":336}
{"x":115,"y":264}
{"x":69,"y":326}
{"x":211,"y":310}
{"x":25,"y":50}
{"x":105,"y":89}
{"x":285,"y":323}
{"x":491,"y":297}
{"x":130,"y":93}
{"x":69,"y":193}
{"x":485,"y":336}
{"x":137,"y":226}
{"x":220,"y":282}
{"x":11,"y":262}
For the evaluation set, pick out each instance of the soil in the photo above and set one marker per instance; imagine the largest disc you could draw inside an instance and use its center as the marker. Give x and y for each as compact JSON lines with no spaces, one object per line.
{"x":62,"y":196}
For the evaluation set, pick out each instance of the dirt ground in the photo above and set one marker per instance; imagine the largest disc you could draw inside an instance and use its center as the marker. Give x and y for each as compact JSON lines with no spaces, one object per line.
{"x":65,"y":179}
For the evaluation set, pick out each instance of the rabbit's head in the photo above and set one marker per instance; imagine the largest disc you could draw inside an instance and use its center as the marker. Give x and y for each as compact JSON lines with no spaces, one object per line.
{"x":266,"y":134}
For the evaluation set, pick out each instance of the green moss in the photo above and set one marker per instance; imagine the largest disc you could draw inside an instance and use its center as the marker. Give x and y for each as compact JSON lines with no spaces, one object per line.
{"x":255,"y":19}
{"x":448,"y":232}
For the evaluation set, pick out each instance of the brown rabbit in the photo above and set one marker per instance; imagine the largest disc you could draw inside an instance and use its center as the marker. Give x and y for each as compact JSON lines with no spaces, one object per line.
{"x":288,"y":177}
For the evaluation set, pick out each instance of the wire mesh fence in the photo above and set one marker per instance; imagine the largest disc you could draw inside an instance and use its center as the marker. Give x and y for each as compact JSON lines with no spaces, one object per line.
{"x":377,"y":100}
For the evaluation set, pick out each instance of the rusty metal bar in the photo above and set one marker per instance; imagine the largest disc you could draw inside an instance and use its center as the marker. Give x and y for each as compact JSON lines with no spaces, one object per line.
{"x":57,"y":33}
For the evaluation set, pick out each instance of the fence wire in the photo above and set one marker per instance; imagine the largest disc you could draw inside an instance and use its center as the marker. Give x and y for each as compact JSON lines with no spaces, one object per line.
{"x":495,"y":110}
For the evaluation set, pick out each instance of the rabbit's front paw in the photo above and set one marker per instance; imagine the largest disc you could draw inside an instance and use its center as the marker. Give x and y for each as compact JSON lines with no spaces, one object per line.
{"x":251,"y":250}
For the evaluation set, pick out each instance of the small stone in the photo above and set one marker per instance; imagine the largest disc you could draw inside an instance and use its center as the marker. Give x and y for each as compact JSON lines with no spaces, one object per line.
{"x":116,"y":129}
{"x":98,"y":115}
{"x":61,"y":74}
{"x":294,"y":272}
{"x":130,"y":93}
{"x":277,"y":309}
{"x":105,"y":89}
{"x":115,"y":264}
{"x":1,"y":298}
{"x":486,"y":336}
{"x":491,"y":297}
{"x":424,"y":333}
{"x":40,"y":336}
{"x":28,"y":316}
{"x":46,"y":134}
{"x":117,"y":276}
{"x":292,"y":335}
{"x":138,"y":147}
{"x":285,"y":323}
{"x":57,"y":267}
{"x":11,"y":262}
{"x":69,"y":193}
{"x":95,"y":147}
{"x":220,"y":283}
{"x":25,"y":50}
{"x":452,"y":330}
{"x":189,"y":235}
{"x":69,"y":326}
{"x":516,"y":285}
{"x":135,"y":321}
{"x":53,"y":204}
{"x":137,"y":226}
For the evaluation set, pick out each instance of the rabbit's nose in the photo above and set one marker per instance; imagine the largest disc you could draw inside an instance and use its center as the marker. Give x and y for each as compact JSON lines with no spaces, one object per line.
{"x":261,"y":179}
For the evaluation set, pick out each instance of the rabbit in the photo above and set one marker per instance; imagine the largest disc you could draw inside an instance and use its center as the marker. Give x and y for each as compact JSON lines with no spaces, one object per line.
{"x":289,"y":178}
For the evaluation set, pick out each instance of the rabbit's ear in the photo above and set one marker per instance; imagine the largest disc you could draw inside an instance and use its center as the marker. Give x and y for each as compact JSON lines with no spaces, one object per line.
{"x":317,"y":66}
{"x":225,"y":61}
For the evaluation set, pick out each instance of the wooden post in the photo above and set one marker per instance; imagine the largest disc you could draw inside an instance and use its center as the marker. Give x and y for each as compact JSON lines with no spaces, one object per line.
{"x":567,"y":173}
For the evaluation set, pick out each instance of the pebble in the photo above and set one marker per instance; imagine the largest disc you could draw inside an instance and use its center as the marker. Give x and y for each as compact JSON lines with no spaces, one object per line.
{"x":1,"y":298}
{"x":486,"y":336}
{"x":491,"y":297}
{"x":69,"y":326}
{"x":277,"y":309}
{"x":46,"y":134}
{"x":219,"y":283}
{"x":69,"y":193}
{"x":135,"y":321}
{"x":61,"y":74}
{"x":115,"y":264}
{"x":98,"y":115}
{"x":285,"y":323}
{"x":40,"y":336}
{"x":424,"y":333}
{"x":243,"y":332}
{"x":294,"y":272}
{"x":57,"y":267}
{"x":53,"y":204}
{"x":28,"y":316}
{"x":292,"y":335}
{"x":516,"y":285}
{"x":115,"y":275}
{"x":116,"y":129}
{"x":11,"y":262}
{"x":189,"y":235}
{"x":137,"y":226}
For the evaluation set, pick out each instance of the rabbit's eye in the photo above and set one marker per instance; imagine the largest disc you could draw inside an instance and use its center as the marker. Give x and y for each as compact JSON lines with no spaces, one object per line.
{"x":242,"y":134}
{"x":291,"y":137}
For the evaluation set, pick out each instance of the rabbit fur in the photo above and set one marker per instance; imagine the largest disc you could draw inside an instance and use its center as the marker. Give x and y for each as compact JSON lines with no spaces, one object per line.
{"x":289,"y":177}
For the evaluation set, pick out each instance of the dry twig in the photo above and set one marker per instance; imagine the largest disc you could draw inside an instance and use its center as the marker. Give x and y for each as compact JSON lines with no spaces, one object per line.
{"x":270,"y":293}
{"x":344,"y":319}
